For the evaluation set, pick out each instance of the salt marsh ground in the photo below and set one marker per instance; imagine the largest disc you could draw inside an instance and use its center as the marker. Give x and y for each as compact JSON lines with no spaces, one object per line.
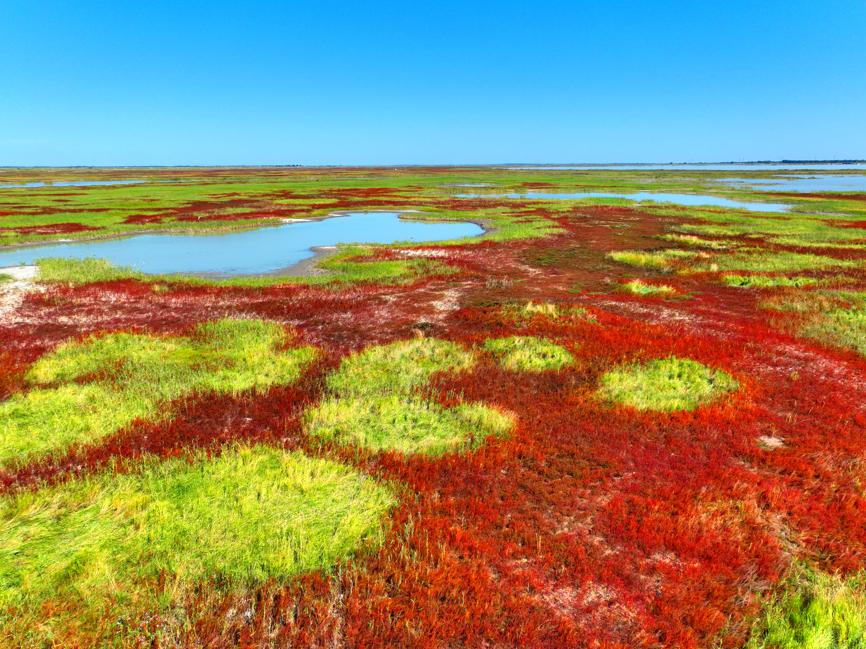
{"x":601,"y":423}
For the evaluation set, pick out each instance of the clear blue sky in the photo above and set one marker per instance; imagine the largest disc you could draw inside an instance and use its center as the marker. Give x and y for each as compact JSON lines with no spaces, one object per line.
{"x":322,"y":82}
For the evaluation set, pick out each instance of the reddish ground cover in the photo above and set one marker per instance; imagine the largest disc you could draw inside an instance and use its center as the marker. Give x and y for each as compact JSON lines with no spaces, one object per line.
{"x":590,"y":526}
{"x":53,"y":228}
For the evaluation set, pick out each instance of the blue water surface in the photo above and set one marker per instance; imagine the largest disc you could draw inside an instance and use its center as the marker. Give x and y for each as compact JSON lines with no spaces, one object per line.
{"x":804,"y":183}
{"x":251,"y":252}
{"x":697,"y":166}
{"x":74,"y":183}
{"x":656,"y":197}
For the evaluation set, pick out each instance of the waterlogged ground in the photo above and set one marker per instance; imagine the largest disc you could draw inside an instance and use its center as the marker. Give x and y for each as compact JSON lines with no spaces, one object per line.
{"x":603,"y":423}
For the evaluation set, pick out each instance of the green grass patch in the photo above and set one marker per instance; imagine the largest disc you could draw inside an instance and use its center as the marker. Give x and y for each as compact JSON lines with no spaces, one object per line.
{"x":522,"y":314}
{"x":844,"y":328}
{"x":655,"y":260}
{"x":766,"y":281}
{"x":128,"y":540}
{"x":793,"y":229}
{"x":549,"y":309}
{"x":84,"y":271}
{"x":375,"y":401}
{"x":351,"y":265}
{"x":815,"y":611}
{"x":767,"y":261}
{"x":665,"y":385}
{"x":397,"y":368}
{"x":795,"y":241}
{"x":810,"y":303}
{"x":405,"y":423}
{"x":86,"y":390}
{"x":528,"y":353}
{"x":697,"y":242}
{"x":639,"y":287}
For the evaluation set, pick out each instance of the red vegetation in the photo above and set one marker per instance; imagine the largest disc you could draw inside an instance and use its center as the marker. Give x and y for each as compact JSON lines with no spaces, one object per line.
{"x":51,"y":228}
{"x":590,"y":526}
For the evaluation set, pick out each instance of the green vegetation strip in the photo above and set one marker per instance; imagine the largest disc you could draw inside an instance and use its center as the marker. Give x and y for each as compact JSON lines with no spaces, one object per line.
{"x":764,"y":281}
{"x":815,"y":611}
{"x":522,"y":315}
{"x":697,"y":242}
{"x":654,"y":260}
{"x":86,"y":390}
{"x":351,"y":265}
{"x":772,"y":261}
{"x":639,"y":287}
{"x":528,"y":353}
{"x":840,"y":327}
{"x":375,"y":401}
{"x":248,"y":515}
{"x":665,"y":385}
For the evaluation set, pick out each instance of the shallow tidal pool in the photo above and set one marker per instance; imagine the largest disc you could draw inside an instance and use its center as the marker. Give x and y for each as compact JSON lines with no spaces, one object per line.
{"x":804,"y":183}
{"x":692,"y":200}
{"x":251,"y":252}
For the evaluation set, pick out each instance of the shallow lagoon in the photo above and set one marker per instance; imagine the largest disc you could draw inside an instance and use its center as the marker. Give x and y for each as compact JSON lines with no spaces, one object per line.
{"x":734,"y":166}
{"x":251,"y":252}
{"x":74,"y":183}
{"x":804,"y":184}
{"x":692,"y":200}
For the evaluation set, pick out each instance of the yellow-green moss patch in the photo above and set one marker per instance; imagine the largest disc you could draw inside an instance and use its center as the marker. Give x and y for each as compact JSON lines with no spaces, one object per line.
{"x":528,"y":353}
{"x":639,"y":287}
{"x":251,"y":514}
{"x":86,"y":390}
{"x":375,"y":401}
{"x":665,"y":385}
{"x":814,"y":611}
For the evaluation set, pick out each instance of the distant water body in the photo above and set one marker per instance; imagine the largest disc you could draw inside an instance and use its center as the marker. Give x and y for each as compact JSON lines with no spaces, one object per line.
{"x":804,"y":184}
{"x":251,"y":252}
{"x":701,"y":167}
{"x":74,"y":183}
{"x":692,"y":200}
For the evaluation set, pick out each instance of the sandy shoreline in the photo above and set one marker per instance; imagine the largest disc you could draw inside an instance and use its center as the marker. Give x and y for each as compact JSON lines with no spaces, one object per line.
{"x":12,"y":292}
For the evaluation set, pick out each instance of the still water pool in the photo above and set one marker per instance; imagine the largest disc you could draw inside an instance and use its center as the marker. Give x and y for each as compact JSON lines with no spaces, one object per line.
{"x":74,"y":183}
{"x":701,"y":166}
{"x":693,"y":200}
{"x":804,"y":183}
{"x":251,"y":252}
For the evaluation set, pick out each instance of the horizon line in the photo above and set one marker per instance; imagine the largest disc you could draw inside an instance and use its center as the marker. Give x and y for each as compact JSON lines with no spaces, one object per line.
{"x":842,"y":161}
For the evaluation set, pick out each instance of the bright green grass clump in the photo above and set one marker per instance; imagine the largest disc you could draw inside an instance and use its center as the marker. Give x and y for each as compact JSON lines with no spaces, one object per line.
{"x":523,"y":314}
{"x":765,"y":281}
{"x":86,"y":390}
{"x":351,"y":265}
{"x":375,"y":401}
{"x":665,"y":385}
{"x":406,"y":424}
{"x":248,"y":515}
{"x":817,"y":611}
{"x":841,"y":328}
{"x":639,"y":287}
{"x":549,"y":309}
{"x":768,"y":261}
{"x":398,"y":367}
{"x":656,"y":260}
{"x":697,"y":242}
{"x":528,"y":353}
{"x":84,"y":271}
{"x":552,"y":310}
{"x":5,"y":277}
